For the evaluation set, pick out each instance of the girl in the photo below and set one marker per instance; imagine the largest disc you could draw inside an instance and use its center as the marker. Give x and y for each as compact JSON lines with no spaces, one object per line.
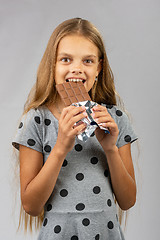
{"x":75,"y":182}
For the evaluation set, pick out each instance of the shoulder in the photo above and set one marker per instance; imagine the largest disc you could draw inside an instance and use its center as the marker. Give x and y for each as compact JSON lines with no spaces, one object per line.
{"x":34,"y":116}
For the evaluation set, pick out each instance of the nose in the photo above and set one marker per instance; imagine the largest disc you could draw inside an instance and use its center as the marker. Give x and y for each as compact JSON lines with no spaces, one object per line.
{"x":77,"y":69}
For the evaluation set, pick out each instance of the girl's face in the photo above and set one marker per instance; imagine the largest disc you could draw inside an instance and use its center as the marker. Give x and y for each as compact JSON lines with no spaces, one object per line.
{"x":77,"y":60}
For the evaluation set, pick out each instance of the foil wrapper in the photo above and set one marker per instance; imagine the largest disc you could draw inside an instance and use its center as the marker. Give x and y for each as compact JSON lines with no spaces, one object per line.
{"x":91,"y":125}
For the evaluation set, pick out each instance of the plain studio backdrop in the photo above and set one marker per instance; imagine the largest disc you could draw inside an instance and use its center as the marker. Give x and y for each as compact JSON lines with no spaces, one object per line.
{"x":131,"y":32}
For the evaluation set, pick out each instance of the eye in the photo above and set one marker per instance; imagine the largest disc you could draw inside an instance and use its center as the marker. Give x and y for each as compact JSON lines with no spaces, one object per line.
{"x":88,"y":61}
{"x":65,"y":60}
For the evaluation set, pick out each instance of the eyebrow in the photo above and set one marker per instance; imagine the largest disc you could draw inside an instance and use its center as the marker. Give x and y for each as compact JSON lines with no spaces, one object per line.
{"x":69,"y":55}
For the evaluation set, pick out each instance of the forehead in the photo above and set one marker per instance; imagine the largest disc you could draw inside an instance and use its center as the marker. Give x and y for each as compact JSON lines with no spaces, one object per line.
{"x":77,"y":44}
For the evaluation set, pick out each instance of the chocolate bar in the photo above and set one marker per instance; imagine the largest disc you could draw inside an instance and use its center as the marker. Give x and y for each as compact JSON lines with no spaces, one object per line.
{"x":72,"y":92}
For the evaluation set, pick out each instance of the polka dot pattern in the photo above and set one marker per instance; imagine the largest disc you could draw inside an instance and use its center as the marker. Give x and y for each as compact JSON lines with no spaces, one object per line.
{"x":119,"y":113}
{"x":47,"y":148}
{"x":127,"y":138}
{"x":80,"y":207}
{"x":86,"y":222}
{"x":97,"y":237}
{"x":65,"y":163}
{"x":93,"y":134}
{"x":63,"y":193}
{"x":96,"y":190}
{"x":80,"y":176}
{"x":49,"y":207}
{"x":47,"y":122}
{"x":74,"y":238}
{"x":37,"y":119}
{"x":31,"y":142}
{"x":109,"y":202}
{"x":78,"y":147}
{"x":106,"y":173}
{"x":110,"y":225}
{"x":20,"y":125}
{"x":86,"y":170}
{"x":109,"y":106}
{"x":94,"y":160}
{"x":45,"y":222}
{"x":57,"y":229}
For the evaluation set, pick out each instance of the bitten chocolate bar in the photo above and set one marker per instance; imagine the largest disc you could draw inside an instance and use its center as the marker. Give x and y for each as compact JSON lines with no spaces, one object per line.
{"x":72,"y":92}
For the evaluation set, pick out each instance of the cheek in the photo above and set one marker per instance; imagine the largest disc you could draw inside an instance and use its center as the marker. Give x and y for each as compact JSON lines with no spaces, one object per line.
{"x":59,"y":73}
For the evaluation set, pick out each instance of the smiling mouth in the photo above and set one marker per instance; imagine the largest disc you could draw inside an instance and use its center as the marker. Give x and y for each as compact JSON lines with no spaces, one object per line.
{"x":75,"y":80}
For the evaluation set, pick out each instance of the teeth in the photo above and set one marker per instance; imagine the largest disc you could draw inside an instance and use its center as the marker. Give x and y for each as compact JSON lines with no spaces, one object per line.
{"x":74,"y":80}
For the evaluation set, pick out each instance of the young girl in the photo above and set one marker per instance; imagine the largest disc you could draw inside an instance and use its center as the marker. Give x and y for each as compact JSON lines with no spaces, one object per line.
{"x":75,"y":182}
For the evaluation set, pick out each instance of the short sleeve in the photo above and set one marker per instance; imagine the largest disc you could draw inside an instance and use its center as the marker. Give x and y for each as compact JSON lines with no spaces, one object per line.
{"x":126,"y":132}
{"x":29,"y":132}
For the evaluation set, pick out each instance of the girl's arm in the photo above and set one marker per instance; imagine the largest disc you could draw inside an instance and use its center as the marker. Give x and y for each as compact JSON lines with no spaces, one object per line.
{"x":122,"y":176}
{"x":119,"y":160}
{"x":38,"y":181}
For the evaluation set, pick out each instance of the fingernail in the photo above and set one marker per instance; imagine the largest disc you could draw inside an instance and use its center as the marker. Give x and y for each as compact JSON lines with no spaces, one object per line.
{"x":85,"y":114}
{"x":96,"y":120}
{"x":93,"y":115}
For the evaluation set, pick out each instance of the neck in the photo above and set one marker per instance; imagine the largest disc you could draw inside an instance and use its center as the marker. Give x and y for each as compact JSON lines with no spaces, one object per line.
{"x":59,"y":105}
{"x":56,"y":108}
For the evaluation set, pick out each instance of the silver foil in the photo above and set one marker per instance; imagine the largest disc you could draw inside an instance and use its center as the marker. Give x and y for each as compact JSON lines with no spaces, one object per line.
{"x":91,"y":125}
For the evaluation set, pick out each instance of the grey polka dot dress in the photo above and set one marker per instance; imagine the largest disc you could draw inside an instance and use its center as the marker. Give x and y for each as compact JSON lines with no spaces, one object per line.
{"x":81,"y":206}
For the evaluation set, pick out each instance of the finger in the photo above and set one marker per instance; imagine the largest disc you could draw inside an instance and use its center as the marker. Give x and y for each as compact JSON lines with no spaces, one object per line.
{"x":112,"y":126}
{"x":71,"y":111}
{"x":101,"y":114}
{"x":65,"y":111}
{"x":73,"y":116}
{"x":103,"y":119}
{"x":73,"y":120}
{"x":99,"y":108}
{"x":78,"y":129}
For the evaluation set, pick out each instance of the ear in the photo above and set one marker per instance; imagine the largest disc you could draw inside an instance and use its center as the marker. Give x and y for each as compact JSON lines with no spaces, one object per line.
{"x":99,"y":67}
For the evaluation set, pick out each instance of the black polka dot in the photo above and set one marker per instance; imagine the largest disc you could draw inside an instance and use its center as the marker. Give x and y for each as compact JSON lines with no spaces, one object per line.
{"x":31,"y":142}
{"x":97,"y":237}
{"x":45,"y":222}
{"x":57,"y":229}
{"x":65,"y":163}
{"x":78,"y":147}
{"x":47,"y":122}
{"x":110,"y":225}
{"x":85,"y":221}
{"x":119,"y":113}
{"x":74,"y":238}
{"x":20,"y":125}
{"x":94,"y":160}
{"x":93,"y":134}
{"x":80,"y":206}
{"x":106,"y":173}
{"x":109,"y":202}
{"x":127,"y":138}
{"x":96,"y":190}
{"x":109,"y":106}
{"x":49,"y":207}
{"x":80,"y":176}
{"x":63,"y":193}
{"x":117,"y":217}
{"x":37,"y":119}
{"x":47,"y":148}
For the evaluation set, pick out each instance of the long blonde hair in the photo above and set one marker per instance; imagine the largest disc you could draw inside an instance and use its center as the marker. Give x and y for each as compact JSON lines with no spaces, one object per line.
{"x":44,"y":90}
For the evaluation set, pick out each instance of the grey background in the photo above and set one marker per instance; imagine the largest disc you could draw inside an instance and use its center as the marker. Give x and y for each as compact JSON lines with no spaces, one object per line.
{"x":131,"y":32}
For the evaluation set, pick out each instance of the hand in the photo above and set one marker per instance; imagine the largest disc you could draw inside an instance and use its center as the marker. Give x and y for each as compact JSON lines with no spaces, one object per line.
{"x":67,"y":128}
{"x":103,"y":118}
